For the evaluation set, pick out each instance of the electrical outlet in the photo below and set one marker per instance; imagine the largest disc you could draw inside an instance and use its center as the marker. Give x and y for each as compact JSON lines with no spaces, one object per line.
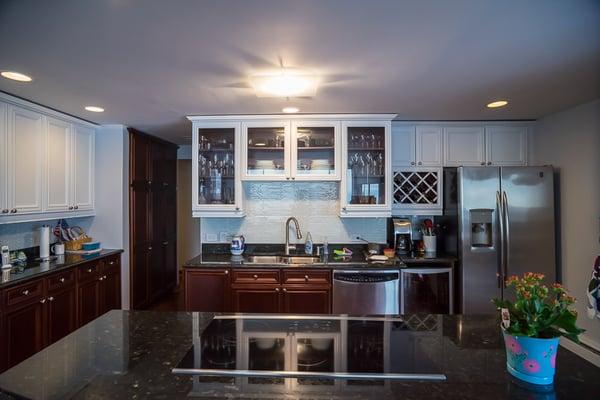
{"x":210,"y":237}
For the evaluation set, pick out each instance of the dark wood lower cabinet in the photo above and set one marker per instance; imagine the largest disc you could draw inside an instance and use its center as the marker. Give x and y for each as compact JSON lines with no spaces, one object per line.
{"x":265,"y":290}
{"x":139,"y":276}
{"x":42,"y":311}
{"x":256,"y":299}
{"x":306,"y":301}
{"x":207,"y":290}
{"x":23,"y":333}
{"x":62,"y":314}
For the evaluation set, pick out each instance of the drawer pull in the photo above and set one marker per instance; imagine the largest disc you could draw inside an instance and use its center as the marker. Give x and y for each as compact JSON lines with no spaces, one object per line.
{"x":306,"y":278}
{"x":255,"y":276}
{"x":42,"y":301}
{"x":62,"y":280}
{"x":25,"y":292}
{"x":50,"y":298}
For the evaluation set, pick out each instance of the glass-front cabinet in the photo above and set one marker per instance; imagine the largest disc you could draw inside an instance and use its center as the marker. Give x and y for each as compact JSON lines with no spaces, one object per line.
{"x":216,"y":191}
{"x":366,"y":182}
{"x":291,"y":149}
{"x":266,"y":150}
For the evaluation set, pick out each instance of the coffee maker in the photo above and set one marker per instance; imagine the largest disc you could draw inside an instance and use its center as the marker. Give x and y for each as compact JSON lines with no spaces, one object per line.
{"x":402,"y":236}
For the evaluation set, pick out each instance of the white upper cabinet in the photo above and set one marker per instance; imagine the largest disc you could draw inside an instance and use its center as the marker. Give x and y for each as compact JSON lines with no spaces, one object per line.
{"x":506,"y":145}
{"x":315,"y":154}
{"x":464,"y":146}
{"x":46,"y":163}
{"x":216,"y":188}
{"x":429,"y":146}
{"x":83,"y":167}
{"x":266,"y":150}
{"x":25,"y":160}
{"x":403,"y":145}
{"x":58,"y":165}
{"x":3,"y":162}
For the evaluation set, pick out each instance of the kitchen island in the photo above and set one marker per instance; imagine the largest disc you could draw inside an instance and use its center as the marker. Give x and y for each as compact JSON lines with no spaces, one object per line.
{"x":133,"y":354}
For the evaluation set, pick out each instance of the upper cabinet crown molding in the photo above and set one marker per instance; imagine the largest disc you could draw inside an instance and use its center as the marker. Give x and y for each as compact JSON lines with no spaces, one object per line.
{"x":46,"y":163}
{"x":264,"y":117}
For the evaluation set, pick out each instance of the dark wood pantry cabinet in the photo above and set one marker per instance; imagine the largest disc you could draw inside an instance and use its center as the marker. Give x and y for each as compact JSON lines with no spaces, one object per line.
{"x":43,"y":310}
{"x":153,"y":217}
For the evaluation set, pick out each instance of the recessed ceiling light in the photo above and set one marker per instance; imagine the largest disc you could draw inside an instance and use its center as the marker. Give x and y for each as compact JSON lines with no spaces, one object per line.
{"x":16,"y":76}
{"x":496,"y":104}
{"x":94,"y":108}
{"x":290,"y":110}
{"x":286,"y":82}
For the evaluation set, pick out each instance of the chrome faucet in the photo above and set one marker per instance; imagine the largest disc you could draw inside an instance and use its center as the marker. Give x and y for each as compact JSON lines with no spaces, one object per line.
{"x":289,"y":246}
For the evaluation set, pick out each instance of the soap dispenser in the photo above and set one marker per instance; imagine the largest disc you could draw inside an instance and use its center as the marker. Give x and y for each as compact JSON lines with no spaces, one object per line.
{"x":308,"y":245}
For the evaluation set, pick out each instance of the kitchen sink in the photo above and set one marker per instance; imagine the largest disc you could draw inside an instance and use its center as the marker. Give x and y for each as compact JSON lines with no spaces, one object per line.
{"x":297,"y":260}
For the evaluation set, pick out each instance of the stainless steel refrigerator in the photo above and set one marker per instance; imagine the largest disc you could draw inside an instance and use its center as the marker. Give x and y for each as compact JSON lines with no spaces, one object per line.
{"x":506,"y":227}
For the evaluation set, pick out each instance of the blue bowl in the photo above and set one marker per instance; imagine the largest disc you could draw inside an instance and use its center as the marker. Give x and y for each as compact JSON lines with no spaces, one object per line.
{"x":90,"y":246}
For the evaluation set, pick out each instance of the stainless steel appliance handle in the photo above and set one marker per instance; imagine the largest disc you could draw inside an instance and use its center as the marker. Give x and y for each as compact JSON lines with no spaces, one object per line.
{"x":506,"y":235}
{"x":500,"y":213}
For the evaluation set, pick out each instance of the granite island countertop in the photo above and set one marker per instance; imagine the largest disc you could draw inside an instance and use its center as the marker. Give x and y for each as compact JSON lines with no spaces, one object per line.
{"x":36,"y":268}
{"x":131,"y":354}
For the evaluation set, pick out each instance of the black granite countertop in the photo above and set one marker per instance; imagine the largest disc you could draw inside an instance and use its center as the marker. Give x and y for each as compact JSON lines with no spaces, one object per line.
{"x":36,"y":268}
{"x":131,"y":355}
{"x":218,"y":255}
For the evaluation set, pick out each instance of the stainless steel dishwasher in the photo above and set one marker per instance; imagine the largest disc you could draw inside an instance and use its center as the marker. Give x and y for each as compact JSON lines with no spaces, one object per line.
{"x":366,"y":292}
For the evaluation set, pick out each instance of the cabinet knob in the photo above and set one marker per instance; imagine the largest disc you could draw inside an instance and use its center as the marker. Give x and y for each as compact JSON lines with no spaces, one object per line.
{"x":42,"y":301}
{"x":420,"y":163}
{"x":14,"y":211}
{"x":165,"y":243}
{"x":5,"y":211}
{"x":50,"y":298}
{"x":149,"y":182}
{"x":89,"y":270}
{"x":489,"y":163}
{"x":111,"y":263}
{"x":149,"y":247}
{"x":104,"y":276}
{"x":287,"y":177}
{"x":62,"y":280}
{"x":412,"y":163}
{"x":101,"y":278}
{"x":76,"y":207}
{"x":306,"y":278}
{"x":293,"y":178}
{"x":25,"y":292}
{"x":255,"y":276}
{"x":344,"y":209}
{"x":70,"y":207}
{"x":277,"y":289}
{"x":284,"y":289}
{"x":226,"y":272}
{"x":237,"y":209}
{"x":482,"y":163}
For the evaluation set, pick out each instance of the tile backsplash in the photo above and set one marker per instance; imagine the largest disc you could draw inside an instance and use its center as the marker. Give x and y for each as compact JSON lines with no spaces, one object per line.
{"x":26,"y":234}
{"x":314,"y":204}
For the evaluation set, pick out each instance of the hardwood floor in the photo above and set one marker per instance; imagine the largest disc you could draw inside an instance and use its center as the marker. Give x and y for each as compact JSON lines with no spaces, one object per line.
{"x":172,"y":301}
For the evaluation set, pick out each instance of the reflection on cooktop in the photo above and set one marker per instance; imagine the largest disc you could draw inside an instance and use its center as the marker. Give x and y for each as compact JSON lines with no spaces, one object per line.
{"x":315,"y":350}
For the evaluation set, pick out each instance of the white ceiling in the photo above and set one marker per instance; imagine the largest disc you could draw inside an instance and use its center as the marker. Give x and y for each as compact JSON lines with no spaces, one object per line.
{"x":149,"y":63}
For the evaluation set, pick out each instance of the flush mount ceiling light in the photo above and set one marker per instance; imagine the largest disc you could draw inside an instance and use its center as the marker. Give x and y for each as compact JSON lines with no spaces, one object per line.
{"x":290,"y":110}
{"x":94,"y":109}
{"x":285,"y":82}
{"x":496,"y":104}
{"x":16,"y":76}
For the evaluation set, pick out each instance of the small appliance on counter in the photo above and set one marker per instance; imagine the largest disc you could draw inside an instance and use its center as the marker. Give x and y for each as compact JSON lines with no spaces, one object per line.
{"x":238,"y":245}
{"x":5,"y":258}
{"x":402,"y":236}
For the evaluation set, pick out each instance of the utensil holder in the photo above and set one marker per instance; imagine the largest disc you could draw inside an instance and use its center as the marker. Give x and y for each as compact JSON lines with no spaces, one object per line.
{"x":430,"y":244}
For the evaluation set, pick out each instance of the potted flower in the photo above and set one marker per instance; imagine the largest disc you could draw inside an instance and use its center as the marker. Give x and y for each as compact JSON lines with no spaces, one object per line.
{"x":532,"y":327}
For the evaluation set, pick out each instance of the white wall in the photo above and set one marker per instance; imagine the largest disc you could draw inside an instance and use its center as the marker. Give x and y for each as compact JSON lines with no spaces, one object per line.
{"x":111,"y":224}
{"x":570,"y":140}
{"x":188,"y":228}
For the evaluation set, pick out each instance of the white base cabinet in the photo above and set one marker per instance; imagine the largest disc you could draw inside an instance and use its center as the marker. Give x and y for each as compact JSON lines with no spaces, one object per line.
{"x":46,"y":163}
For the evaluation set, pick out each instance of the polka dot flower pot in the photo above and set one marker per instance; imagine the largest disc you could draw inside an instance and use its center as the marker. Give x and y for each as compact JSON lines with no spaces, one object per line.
{"x":532,"y":360}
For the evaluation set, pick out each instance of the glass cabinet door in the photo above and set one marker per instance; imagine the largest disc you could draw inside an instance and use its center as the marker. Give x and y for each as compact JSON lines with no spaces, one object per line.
{"x":367,"y":165}
{"x":314,"y":155}
{"x":215,"y":167}
{"x":266,"y":150}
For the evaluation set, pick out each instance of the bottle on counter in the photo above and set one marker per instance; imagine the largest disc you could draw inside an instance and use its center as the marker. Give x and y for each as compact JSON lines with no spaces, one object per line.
{"x":308,"y":244}
{"x":325,"y":246}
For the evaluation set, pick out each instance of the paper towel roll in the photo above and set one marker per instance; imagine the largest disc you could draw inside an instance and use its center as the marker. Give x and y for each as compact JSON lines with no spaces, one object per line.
{"x":45,"y":241}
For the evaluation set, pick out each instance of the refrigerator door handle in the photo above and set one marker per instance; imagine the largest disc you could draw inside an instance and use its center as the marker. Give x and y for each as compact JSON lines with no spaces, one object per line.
{"x":500,"y":214}
{"x":506,"y":235}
